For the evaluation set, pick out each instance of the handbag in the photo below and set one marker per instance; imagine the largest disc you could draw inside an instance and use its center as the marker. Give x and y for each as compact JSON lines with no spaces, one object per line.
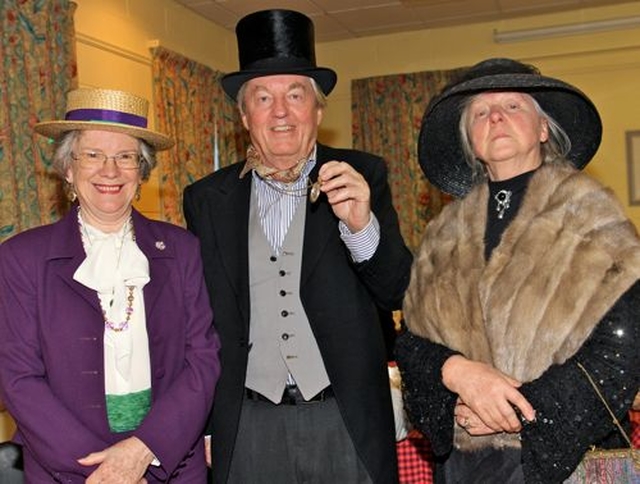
{"x":602,"y":466}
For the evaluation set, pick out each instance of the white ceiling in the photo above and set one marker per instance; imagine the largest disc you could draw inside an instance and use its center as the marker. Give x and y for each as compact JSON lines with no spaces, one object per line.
{"x":346,"y":19}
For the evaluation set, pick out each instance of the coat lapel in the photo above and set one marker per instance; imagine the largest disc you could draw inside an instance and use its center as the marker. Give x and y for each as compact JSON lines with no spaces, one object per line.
{"x":230,"y":225}
{"x":67,"y":253}
{"x":320,"y":223}
{"x":156,"y":249}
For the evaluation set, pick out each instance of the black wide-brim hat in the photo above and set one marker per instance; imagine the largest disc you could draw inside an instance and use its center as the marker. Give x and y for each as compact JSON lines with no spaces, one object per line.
{"x":274,"y":42}
{"x":440,"y":151}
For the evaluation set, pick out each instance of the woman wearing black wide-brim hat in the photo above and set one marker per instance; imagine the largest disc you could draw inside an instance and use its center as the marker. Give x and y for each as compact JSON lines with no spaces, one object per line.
{"x":521,"y":287}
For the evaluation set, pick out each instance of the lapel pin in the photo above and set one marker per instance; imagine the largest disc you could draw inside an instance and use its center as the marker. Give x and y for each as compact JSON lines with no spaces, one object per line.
{"x":160,"y":245}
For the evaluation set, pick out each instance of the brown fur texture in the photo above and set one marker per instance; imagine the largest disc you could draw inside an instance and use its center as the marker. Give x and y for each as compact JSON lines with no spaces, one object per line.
{"x":562,"y":263}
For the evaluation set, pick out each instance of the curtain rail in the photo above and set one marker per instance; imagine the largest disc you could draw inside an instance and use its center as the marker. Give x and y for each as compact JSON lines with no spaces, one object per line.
{"x":114,"y":49}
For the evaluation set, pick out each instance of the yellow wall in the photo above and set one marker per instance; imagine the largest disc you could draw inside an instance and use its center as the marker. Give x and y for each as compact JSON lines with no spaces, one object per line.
{"x":114,"y":37}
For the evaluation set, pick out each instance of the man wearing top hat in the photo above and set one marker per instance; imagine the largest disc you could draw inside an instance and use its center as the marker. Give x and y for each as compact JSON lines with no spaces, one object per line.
{"x":300,"y":244}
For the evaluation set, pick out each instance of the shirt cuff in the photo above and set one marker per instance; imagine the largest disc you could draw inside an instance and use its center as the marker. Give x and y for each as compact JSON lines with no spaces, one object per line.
{"x":362,"y":245}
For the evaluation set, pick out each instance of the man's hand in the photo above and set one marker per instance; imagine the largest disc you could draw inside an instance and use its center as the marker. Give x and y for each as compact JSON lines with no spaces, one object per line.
{"x":122,"y":463}
{"x":348,"y":194}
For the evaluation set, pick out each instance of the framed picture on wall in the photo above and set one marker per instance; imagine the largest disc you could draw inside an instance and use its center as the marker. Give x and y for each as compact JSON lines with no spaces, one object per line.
{"x":633,"y":166}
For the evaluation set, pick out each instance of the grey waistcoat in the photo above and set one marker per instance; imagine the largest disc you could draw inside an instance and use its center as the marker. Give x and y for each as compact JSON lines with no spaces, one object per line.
{"x":282,"y":342}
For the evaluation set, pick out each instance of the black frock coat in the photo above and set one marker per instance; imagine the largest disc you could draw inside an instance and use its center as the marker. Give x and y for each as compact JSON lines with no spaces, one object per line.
{"x":339,"y":297}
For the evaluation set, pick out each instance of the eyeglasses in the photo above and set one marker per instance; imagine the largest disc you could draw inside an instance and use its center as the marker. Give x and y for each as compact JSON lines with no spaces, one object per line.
{"x":127,"y":160}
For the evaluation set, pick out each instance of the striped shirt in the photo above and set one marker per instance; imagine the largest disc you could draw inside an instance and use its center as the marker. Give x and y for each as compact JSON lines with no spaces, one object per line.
{"x":278,"y":201}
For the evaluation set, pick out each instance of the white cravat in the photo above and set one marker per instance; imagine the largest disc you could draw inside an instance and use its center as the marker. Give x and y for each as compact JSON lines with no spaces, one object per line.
{"x":113,"y":263}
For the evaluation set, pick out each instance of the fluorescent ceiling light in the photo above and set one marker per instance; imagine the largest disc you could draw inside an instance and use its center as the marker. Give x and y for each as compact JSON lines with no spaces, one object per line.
{"x":562,"y":30}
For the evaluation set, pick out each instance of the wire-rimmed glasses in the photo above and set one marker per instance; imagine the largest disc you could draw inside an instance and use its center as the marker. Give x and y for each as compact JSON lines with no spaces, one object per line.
{"x":126,"y":160}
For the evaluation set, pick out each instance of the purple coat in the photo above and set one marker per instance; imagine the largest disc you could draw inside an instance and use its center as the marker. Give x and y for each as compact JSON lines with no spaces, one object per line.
{"x":51,"y":352}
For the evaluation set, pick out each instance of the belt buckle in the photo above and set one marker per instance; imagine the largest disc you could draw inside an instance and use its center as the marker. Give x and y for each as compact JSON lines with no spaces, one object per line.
{"x":292,"y":395}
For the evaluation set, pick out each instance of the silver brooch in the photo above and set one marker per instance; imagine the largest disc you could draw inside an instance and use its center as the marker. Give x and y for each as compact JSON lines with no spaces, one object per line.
{"x":503,"y":197}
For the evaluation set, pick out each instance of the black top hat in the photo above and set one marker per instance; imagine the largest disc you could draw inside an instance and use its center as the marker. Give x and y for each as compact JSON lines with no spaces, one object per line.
{"x":439,"y":146}
{"x":276,"y":42}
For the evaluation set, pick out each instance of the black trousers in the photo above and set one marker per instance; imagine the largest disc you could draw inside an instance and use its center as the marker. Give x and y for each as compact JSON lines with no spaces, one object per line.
{"x":485,"y":466}
{"x":305,"y":443}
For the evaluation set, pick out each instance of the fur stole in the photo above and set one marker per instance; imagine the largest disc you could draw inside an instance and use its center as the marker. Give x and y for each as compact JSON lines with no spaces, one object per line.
{"x":562,"y":263}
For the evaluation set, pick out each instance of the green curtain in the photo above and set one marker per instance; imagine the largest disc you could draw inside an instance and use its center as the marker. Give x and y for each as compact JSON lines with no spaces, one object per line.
{"x":387,"y":113}
{"x":38,"y":67}
{"x":192,"y":108}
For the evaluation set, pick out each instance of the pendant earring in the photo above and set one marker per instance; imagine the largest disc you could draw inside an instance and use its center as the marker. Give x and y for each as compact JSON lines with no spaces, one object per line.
{"x":71,"y":192}
{"x":138,"y":190}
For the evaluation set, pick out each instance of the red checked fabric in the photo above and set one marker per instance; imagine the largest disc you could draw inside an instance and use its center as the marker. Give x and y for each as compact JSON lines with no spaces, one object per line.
{"x":635,"y":428}
{"x":414,"y":459}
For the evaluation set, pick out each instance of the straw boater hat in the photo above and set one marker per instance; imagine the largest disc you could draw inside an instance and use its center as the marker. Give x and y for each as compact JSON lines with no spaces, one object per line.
{"x":276,"y":42}
{"x":105,"y":110}
{"x":439,"y":146}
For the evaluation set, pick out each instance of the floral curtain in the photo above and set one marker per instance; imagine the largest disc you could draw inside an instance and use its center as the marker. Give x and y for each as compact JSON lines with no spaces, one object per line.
{"x":387,"y":113}
{"x":37,"y":68}
{"x":192,"y":108}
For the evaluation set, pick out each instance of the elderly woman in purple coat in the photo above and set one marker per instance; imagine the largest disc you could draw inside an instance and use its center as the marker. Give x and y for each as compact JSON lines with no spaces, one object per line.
{"x":109,"y":358}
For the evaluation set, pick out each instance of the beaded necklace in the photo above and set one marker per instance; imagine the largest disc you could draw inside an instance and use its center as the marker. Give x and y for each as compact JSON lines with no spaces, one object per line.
{"x":123,"y":325}
{"x":112,"y":325}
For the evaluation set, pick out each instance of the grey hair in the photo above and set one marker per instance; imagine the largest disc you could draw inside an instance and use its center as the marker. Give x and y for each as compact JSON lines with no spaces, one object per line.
{"x":554,"y":150}
{"x":65,"y":146}
{"x":321,"y":98}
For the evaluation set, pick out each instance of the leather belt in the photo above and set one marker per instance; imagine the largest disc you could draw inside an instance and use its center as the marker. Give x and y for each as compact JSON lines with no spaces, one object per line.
{"x":290,"y":396}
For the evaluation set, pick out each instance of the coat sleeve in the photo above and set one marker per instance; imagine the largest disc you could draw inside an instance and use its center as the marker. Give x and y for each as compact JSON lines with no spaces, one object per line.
{"x":53,"y":434}
{"x":178,"y":415}
{"x":429,"y":404}
{"x":387,"y":273}
{"x":570,"y":417}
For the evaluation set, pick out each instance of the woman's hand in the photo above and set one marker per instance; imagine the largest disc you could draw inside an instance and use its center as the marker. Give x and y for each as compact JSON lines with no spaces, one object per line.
{"x":489,"y":394}
{"x":122,"y":463}
{"x":207,"y":450}
{"x":348,"y":194}
{"x":468,"y":420}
